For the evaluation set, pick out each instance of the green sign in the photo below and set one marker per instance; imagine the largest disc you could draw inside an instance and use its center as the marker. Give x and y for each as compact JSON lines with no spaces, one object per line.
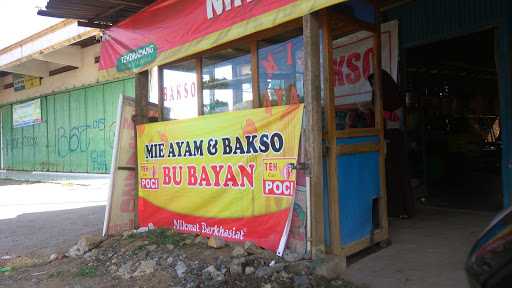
{"x":137,"y":58}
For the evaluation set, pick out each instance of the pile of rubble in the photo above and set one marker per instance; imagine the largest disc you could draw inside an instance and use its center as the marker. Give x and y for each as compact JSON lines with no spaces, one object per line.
{"x":162,"y":257}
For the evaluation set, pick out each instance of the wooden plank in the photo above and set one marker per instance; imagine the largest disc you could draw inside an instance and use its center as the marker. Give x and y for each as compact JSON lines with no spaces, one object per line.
{"x":379,"y":124}
{"x":332,"y":180}
{"x":141,"y":97}
{"x":140,"y":117}
{"x":358,"y":132}
{"x":312,"y":130}
{"x":357,"y":246}
{"x":358,"y":148}
{"x":199,"y":85}
{"x":256,"y":100}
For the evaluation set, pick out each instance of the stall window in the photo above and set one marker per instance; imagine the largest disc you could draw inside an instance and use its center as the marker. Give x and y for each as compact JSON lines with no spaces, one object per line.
{"x":353,"y":92}
{"x":227,"y":82}
{"x":281,"y":71}
{"x":180,"y":90}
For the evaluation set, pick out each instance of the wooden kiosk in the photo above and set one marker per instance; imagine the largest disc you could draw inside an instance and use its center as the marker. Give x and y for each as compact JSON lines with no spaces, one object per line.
{"x":344,"y":168}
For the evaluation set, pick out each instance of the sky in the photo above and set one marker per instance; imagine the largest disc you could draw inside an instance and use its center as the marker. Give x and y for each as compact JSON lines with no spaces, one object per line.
{"x":19,"y":20}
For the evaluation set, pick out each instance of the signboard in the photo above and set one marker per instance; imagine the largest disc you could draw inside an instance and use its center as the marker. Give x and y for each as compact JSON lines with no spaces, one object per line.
{"x":183,"y":28}
{"x":229,"y":175}
{"x":22,"y":82}
{"x":26,"y":114}
{"x":120,"y":212}
{"x":353,"y":63}
{"x":137,"y":58}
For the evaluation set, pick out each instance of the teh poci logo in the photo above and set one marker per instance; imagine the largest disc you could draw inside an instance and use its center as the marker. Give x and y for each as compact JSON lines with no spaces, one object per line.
{"x":149,"y":183}
{"x":279,"y":177}
{"x":278,"y":188}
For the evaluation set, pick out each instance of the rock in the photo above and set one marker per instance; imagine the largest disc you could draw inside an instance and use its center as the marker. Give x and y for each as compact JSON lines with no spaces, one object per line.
{"x":301,"y":281}
{"x":170,"y":260}
{"x":267,"y":271}
{"x":151,"y":247}
{"x":124,"y":271}
{"x":215,"y":242}
{"x":170,"y":246}
{"x":330,"y":267}
{"x":291,"y":257}
{"x":85,"y":244}
{"x":211,"y":274}
{"x":180,"y":268}
{"x":238,"y":251}
{"x":235,"y":268}
{"x":53,"y":257}
{"x":299,"y":267}
{"x":126,"y":234}
{"x":145,"y":267}
{"x":266,"y":285}
{"x":249,"y":270}
{"x":251,"y":248}
{"x":200,"y":240}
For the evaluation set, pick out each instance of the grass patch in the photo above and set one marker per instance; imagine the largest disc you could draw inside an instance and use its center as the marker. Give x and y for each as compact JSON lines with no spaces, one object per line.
{"x":87,"y":271}
{"x":57,"y":274}
{"x":165,"y":236}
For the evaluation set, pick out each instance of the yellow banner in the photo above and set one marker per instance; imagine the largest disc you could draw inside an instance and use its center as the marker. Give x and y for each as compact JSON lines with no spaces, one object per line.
{"x":230,"y":171}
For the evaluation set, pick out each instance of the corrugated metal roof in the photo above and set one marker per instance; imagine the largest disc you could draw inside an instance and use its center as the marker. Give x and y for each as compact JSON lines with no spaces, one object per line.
{"x":96,"y":14}
{"x":424,"y":21}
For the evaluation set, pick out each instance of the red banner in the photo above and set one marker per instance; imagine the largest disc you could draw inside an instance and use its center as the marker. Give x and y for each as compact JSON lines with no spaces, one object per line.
{"x":157,"y":31}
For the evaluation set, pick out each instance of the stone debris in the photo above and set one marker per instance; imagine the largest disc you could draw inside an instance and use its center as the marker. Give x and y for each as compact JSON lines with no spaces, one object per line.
{"x":235,"y":268}
{"x":145,"y":267}
{"x":85,"y":244}
{"x":239,"y":251}
{"x":180,"y":268}
{"x":215,"y":242}
{"x":53,"y":257}
{"x":211,"y":274}
{"x":186,"y":261}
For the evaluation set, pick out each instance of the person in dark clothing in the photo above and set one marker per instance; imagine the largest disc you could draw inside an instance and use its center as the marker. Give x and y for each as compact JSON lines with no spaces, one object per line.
{"x":400,"y":199}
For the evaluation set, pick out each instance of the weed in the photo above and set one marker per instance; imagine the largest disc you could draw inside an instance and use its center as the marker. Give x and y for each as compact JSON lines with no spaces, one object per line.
{"x":87,"y":271}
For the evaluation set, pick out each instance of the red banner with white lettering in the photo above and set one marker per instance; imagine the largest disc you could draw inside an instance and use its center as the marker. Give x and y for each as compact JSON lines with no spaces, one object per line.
{"x":171,"y":29}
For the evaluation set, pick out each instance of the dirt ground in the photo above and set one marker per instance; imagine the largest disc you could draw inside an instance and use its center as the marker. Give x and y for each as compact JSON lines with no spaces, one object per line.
{"x":162,"y":258}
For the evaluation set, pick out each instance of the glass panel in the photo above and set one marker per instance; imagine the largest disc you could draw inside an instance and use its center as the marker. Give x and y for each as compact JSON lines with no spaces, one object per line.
{"x":353,"y":92}
{"x":281,"y":69}
{"x":180,"y":90}
{"x":227,"y":82}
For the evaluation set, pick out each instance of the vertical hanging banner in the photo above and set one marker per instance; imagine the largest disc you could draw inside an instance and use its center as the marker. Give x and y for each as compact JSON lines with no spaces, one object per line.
{"x":120,"y":212}
{"x":229,"y":175}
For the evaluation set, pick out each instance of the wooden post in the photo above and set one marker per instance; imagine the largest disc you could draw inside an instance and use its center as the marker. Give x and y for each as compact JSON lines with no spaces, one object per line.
{"x":140,"y":117}
{"x":312,"y":131}
{"x":379,"y":123}
{"x":334,"y":204}
{"x":199,"y":85}
{"x":161,"y":100}
{"x":256,"y":101}
{"x":141,"y":97}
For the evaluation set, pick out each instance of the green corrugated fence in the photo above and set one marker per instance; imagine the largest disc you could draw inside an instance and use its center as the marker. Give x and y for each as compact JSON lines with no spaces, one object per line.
{"x":77,"y":133}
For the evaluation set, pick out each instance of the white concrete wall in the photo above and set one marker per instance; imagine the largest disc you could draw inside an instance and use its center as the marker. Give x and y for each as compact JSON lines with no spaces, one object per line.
{"x":86,"y":74}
